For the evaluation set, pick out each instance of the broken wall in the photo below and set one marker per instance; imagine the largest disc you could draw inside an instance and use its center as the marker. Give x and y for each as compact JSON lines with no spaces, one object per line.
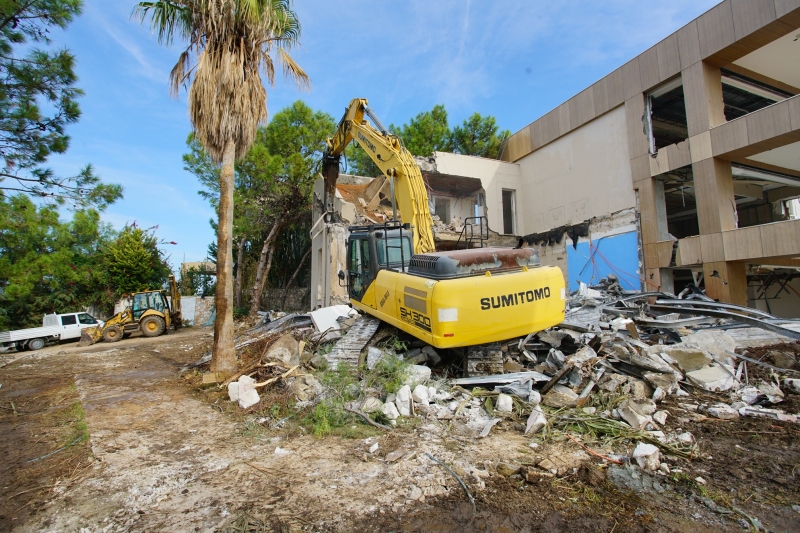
{"x":584,"y":174}
{"x":494,"y":175}
{"x":297,"y":299}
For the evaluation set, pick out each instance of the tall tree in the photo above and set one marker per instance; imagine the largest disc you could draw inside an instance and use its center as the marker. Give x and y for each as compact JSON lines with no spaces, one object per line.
{"x":47,"y":265}
{"x":478,"y":136}
{"x":230,"y":42}
{"x":426,"y":133}
{"x":38,"y":99}
{"x":133,"y":261}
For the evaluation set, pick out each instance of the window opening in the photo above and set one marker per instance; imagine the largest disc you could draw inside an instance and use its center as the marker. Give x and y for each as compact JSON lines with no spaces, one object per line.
{"x":664,"y":119}
{"x":680,"y":204}
{"x":442,"y":209}
{"x":68,"y":320}
{"x":742,"y":95}
{"x":509,"y":212}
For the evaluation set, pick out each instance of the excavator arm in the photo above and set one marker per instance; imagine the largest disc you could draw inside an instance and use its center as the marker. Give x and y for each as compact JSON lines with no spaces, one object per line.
{"x":389,"y":154}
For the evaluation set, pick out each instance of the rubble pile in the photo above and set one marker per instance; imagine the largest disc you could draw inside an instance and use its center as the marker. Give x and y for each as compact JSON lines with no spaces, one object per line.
{"x":621,"y":376}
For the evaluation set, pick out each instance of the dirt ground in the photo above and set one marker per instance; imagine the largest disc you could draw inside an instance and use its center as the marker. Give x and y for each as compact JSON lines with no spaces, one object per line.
{"x":111,"y":438}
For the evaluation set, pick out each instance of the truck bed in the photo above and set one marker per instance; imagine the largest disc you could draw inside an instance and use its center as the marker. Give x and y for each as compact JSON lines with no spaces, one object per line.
{"x":30,"y":333}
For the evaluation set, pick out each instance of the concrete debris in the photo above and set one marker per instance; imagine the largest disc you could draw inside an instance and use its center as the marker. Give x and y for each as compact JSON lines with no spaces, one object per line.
{"x":370,"y":405}
{"x":420,"y":395}
{"x":560,"y":396}
{"x":403,"y":401}
{"x":714,"y":378}
{"x":508,"y":469}
{"x":389,"y":409}
{"x":647,"y":456}
{"x":536,"y":421}
{"x":504,"y":403}
{"x":722,"y":411}
{"x":244,"y":392}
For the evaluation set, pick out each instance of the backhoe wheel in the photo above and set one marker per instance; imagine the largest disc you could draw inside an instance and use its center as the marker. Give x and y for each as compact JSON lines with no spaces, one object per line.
{"x":152,"y":326}
{"x":112,"y":334}
{"x":36,"y":344}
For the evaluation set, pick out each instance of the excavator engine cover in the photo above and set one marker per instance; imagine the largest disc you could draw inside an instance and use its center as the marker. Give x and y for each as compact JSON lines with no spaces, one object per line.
{"x":460,"y":263}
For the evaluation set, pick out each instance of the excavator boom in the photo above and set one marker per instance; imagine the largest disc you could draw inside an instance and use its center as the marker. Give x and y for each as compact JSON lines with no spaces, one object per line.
{"x":389,"y":154}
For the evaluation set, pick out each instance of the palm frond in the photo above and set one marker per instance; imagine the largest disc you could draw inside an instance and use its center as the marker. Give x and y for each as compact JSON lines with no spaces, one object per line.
{"x":167,"y":17}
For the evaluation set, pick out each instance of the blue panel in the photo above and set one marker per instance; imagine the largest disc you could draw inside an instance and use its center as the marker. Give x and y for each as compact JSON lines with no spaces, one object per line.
{"x":591,"y":262}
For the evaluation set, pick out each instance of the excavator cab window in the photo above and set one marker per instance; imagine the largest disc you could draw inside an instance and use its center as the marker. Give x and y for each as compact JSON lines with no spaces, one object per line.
{"x":398,"y":258}
{"x":359,"y":267}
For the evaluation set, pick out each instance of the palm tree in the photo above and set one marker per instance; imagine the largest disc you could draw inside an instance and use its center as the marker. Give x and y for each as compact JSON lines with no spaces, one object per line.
{"x":230,"y":45}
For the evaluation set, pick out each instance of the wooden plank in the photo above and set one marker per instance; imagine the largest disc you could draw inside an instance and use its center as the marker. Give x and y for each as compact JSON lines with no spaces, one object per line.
{"x":586,"y":110}
{"x":563,"y":118}
{"x":713,"y":186}
{"x":679,"y":155}
{"x":669,"y":60}
{"x":664,"y":251}
{"x":794,"y":111}
{"x":742,"y":243}
{"x":781,"y":238}
{"x":768,"y":122}
{"x":702,"y":89}
{"x":637,"y":141}
{"x":688,"y":45}
{"x":648,"y":69}
{"x":631,"y":84}
{"x":751,"y":15}
{"x":647,"y":208}
{"x":550,"y":129}
{"x":715,"y":29}
{"x":615,"y":89}
{"x":700,"y":146}
{"x":600,"y":96}
{"x":533,"y":133}
{"x":689,"y":252}
{"x":786,"y":7}
{"x":729,"y":137}
{"x":640,"y":168}
{"x":712,"y":247}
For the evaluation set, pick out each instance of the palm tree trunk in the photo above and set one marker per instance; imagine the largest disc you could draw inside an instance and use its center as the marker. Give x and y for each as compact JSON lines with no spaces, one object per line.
{"x":261,"y":276}
{"x":224,"y":354}
{"x":296,"y":272}
{"x":237,"y":286}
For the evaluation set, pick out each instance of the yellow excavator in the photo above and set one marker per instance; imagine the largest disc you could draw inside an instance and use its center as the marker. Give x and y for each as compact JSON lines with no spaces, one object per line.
{"x":151,"y":312}
{"x":449,"y":299}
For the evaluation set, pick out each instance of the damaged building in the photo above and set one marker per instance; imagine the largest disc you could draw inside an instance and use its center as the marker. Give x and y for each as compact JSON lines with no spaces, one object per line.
{"x":681,"y":167}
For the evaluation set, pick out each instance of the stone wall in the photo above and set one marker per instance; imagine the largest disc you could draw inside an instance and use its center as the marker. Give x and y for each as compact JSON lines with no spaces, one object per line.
{"x":298,"y":299}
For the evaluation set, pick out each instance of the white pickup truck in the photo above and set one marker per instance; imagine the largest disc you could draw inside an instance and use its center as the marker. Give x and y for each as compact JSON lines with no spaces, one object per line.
{"x":54,"y":328}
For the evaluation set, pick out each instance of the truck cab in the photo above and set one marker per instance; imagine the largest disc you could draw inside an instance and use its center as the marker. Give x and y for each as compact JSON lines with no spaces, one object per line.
{"x":70,"y":324}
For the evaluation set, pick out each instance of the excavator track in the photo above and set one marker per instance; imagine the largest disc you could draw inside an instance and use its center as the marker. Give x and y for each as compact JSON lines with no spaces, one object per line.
{"x":347,"y":350}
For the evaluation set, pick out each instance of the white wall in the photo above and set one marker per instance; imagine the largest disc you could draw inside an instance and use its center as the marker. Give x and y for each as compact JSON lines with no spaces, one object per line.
{"x":494,"y":175}
{"x":584,"y":174}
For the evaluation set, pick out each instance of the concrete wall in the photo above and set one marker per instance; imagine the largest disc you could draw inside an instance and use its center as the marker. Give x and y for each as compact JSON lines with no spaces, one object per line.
{"x":581,"y":175}
{"x":494,"y":175}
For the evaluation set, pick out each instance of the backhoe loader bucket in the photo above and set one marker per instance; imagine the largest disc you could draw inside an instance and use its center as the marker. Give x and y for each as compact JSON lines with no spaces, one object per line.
{"x":88,"y":337}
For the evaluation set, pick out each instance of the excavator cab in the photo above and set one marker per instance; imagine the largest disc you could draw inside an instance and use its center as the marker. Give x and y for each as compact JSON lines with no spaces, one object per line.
{"x":373,"y":248}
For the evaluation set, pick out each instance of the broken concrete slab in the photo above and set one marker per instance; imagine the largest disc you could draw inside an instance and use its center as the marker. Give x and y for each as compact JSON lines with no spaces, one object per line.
{"x":723,"y":411}
{"x":647,"y":456}
{"x":370,"y":405}
{"x":560,"y":396}
{"x":536,"y":421}
{"x":389,"y":409}
{"x":417,"y":374}
{"x":403,"y":400}
{"x":285,"y":351}
{"x":713,"y":378}
{"x":688,"y":359}
{"x":504,"y":403}
{"x":420,"y":395}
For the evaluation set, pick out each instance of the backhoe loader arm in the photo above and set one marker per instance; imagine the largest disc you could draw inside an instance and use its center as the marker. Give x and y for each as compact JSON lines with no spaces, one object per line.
{"x":389,"y":154}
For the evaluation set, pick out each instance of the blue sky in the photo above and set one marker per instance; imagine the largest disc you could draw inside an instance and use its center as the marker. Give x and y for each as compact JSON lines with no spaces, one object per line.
{"x":514,"y":60}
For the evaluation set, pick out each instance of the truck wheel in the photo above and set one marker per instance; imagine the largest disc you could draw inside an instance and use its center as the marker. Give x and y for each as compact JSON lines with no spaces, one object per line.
{"x":112,"y":334}
{"x":36,"y":344}
{"x":152,"y":326}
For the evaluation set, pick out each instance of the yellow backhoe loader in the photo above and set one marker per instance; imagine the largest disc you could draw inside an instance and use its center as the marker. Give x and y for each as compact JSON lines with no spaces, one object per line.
{"x":150,"y":312}
{"x":449,"y":299}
